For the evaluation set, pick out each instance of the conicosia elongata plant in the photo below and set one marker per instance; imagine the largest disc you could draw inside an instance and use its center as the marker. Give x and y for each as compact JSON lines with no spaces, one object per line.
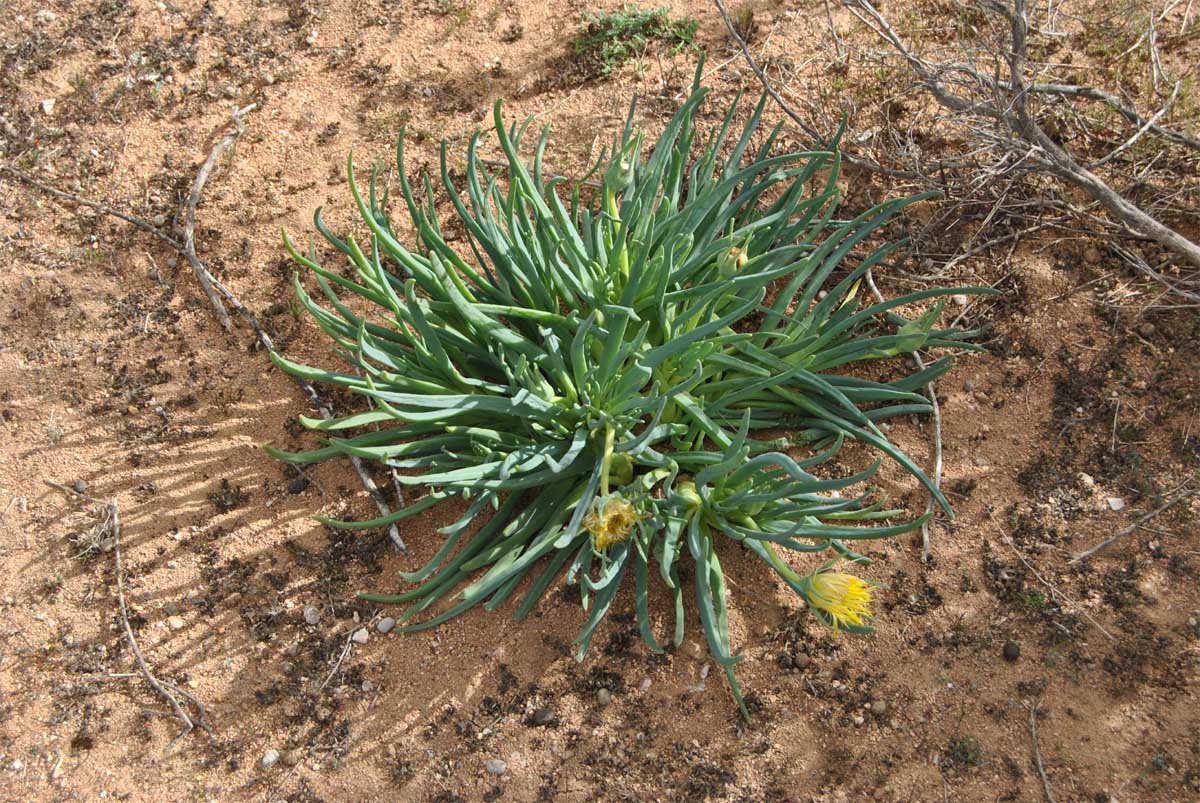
{"x":614,"y":379}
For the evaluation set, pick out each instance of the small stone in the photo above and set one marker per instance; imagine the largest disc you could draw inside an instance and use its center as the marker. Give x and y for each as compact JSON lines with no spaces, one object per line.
{"x":969,"y":386}
{"x":645,"y":684}
{"x":542,"y":716}
{"x":361,"y":636}
{"x":801,"y":660}
{"x":269,"y":759}
{"x":496,"y":766}
{"x":48,"y":106}
{"x":1086,"y":480}
{"x":159,"y":220}
{"x":603,"y":697}
{"x":385,"y":624}
{"x":1146,"y":329}
{"x":44,"y":15}
{"x":80,"y":486}
{"x":1091,"y":256}
{"x":368,"y":686}
{"x":693,"y":650}
{"x":292,"y":650}
{"x":879,"y":707}
{"x":291,"y":758}
{"x":312,"y":614}
{"x":960,"y":299}
{"x":176,"y":622}
{"x":858,"y":719}
{"x":297,"y":485}
{"x":1011,"y":651}
{"x":1115,"y":503}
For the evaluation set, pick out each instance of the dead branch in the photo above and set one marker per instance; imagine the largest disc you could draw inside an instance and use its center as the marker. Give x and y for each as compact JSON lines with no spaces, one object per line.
{"x":112,"y":522}
{"x":980,"y":102}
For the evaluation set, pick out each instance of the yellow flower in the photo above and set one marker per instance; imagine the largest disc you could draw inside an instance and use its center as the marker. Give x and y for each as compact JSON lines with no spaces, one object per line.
{"x":845,"y":598}
{"x":611,"y":520}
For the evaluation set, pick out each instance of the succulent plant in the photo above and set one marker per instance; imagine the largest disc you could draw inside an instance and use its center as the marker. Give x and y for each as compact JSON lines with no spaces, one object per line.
{"x":615,"y":372}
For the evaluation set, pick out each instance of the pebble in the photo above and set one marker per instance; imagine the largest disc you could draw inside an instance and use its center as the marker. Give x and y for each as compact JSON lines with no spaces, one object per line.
{"x":47,"y":105}
{"x":297,"y":485}
{"x":292,"y":650}
{"x":645,"y":684}
{"x":368,"y":686}
{"x":960,"y":299}
{"x":496,"y":766}
{"x":269,"y":759}
{"x":291,"y":758}
{"x":693,"y":650}
{"x":1087,"y":480}
{"x":1011,"y":651}
{"x":800,"y":660}
{"x":603,"y":697}
{"x":45,"y":15}
{"x":969,"y":386}
{"x":1146,"y":329}
{"x":1116,"y":503}
{"x":542,"y":716}
{"x":1091,"y":256}
{"x":385,"y":624}
{"x":879,"y":707}
{"x":80,"y":486}
{"x":312,"y":614}
{"x":176,"y":622}
{"x":361,"y":636}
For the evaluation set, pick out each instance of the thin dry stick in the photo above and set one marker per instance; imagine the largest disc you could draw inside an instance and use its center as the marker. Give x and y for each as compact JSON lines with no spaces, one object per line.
{"x":1037,"y":755}
{"x":114,"y":525}
{"x":189,"y":229}
{"x":142,"y":224}
{"x":931,"y":391}
{"x":1054,"y":590}
{"x":1132,"y":528}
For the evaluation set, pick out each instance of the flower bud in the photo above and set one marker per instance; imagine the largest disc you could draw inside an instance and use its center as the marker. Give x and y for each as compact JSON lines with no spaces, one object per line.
{"x":731,"y":262}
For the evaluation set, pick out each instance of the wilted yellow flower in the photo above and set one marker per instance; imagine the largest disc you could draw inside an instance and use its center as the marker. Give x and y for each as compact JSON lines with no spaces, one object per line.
{"x":844,"y":597}
{"x":611,"y":520}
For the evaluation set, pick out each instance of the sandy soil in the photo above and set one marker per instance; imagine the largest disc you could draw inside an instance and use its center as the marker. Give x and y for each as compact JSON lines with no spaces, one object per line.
{"x":115,"y":374}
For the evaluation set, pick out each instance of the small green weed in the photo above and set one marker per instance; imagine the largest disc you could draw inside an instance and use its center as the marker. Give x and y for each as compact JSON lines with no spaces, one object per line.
{"x":611,"y":40}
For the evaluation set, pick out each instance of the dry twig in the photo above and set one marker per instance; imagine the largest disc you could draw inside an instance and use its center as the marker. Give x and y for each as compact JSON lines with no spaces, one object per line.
{"x":997,"y":111}
{"x":112,"y":522}
{"x":1132,"y":528}
{"x":1037,"y":755}
{"x":189,"y":229}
